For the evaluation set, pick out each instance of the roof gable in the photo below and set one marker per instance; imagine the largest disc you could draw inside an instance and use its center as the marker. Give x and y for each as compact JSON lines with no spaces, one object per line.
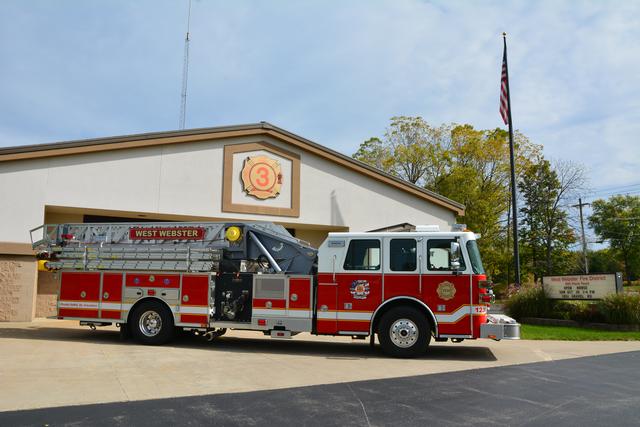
{"x":214,"y":133}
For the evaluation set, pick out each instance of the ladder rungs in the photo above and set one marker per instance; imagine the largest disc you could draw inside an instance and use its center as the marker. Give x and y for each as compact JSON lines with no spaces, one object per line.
{"x":142,"y":256}
{"x":136,"y":265}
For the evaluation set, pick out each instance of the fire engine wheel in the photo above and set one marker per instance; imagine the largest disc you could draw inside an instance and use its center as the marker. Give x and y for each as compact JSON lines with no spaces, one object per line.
{"x":152,"y":323}
{"x":404,"y":332}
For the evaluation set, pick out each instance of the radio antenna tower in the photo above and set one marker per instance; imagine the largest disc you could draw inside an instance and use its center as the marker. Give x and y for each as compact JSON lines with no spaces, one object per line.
{"x":185,"y":73}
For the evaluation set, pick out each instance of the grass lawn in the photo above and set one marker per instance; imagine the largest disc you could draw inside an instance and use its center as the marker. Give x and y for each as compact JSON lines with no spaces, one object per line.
{"x":567,"y":333}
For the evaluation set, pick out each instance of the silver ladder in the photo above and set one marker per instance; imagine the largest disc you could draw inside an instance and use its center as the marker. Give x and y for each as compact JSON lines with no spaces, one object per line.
{"x":108,"y":247}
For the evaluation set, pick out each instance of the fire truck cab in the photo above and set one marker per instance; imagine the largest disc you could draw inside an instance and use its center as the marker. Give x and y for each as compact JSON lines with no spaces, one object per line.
{"x":150,"y":279}
{"x":406,"y":287}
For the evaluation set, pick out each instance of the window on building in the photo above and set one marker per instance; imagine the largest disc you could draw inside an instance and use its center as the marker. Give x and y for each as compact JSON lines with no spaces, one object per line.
{"x":363,"y":254}
{"x":439,"y":255}
{"x":402,"y":254}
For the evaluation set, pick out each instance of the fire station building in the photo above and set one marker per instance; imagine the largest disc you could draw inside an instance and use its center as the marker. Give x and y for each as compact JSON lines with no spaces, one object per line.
{"x":255,"y":172}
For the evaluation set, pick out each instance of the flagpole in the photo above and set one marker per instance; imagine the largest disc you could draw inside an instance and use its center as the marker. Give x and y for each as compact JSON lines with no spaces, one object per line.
{"x":514,"y":203}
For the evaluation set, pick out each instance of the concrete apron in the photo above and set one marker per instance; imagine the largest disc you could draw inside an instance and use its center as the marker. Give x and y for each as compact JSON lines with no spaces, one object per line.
{"x":50,"y":363}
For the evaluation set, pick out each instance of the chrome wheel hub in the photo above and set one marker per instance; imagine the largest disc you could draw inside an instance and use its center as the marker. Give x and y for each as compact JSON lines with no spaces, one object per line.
{"x":403,"y":333}
{"x":150,"y":323}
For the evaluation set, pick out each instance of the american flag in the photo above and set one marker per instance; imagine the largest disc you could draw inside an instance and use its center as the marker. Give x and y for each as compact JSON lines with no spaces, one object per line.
{"x":504,"y":91}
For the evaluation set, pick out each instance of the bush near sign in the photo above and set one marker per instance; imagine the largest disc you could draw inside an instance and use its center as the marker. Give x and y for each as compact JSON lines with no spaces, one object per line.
{"x":582,"y":286}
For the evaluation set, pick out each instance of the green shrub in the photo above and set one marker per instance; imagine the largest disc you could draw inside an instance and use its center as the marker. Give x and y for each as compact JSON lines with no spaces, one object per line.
{"x":528,"y":302}
{"x":587,"y":311}
{"x":500,"y":290}
{"x":532,"y":302}
{"x":562,"y":310}
{"x":580,"y":311}
{"x":621,"y":308}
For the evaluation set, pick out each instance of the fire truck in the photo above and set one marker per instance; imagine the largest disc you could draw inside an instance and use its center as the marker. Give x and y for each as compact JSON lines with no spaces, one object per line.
{"x":154,"y":279}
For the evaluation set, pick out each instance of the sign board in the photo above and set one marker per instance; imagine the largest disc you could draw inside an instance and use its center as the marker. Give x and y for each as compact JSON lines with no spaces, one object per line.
{"x":261,"y":178}
{"x":582,"y":286}
{"x":166,"y":233}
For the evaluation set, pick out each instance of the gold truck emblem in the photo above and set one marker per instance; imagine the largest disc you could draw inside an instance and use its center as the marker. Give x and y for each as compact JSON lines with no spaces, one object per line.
{"x":262,"y":177}
{"x":446,"y":290}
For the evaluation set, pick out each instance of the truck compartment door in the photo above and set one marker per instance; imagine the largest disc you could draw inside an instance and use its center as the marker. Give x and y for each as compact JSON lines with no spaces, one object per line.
{"x":327,"y":308}
{"x":111,"y":297}
{"x":269,"y":295}
{"x":300,"y":297}
{"x":79,"y":295}
{"x":194,"y":301}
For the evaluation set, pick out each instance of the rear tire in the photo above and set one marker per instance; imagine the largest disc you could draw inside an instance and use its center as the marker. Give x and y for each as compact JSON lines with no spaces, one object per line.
{"x":152,"y":323}
{"x":404,"y":332}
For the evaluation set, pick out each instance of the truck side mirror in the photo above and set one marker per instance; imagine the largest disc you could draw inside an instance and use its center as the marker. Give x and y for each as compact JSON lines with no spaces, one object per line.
{"x":454,"y":250}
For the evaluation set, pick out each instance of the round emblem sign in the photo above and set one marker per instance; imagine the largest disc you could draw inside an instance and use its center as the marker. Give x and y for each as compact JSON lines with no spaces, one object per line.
{"x":446,"y":290}
{"x":360,"y":289}
{"x":262,"y":177}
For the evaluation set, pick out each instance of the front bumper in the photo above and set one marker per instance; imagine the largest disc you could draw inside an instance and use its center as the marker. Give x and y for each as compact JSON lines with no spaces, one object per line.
{"x":500,"y":327}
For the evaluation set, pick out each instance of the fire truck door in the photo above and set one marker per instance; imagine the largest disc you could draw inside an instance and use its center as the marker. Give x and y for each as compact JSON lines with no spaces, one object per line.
{"x":401,"y":267}
{"x":359,"y":281}
{"x":447,"y":292}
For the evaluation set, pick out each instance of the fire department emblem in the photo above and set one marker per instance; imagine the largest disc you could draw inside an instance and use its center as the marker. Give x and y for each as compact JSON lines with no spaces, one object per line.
{"x":262,"y":177}
{"x":446,"y":290}
{"x":360,"y":289}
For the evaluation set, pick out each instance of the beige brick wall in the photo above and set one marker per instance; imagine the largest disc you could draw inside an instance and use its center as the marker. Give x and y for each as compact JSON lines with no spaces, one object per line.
{"x":18,"y":275}
{"x":48,"y":285}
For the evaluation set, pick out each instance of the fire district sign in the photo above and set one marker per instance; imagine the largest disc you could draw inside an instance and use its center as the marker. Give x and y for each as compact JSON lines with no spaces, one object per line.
{"x":262,"y":177}
{"x":582,"y":286}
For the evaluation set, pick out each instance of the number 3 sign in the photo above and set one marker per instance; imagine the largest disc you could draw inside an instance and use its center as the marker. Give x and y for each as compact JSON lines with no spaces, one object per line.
{"x":262,"y":177}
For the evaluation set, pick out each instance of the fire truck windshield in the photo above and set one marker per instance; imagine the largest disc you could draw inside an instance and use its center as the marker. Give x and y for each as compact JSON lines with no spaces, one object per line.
{"x":474,"y":255}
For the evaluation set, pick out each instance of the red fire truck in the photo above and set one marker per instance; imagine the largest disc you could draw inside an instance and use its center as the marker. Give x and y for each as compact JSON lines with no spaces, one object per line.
{"x":151,"y":279}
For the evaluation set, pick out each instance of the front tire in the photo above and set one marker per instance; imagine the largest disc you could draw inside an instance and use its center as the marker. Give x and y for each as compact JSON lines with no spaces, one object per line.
{"x":152,"y":323}
{"x":404,"y":332}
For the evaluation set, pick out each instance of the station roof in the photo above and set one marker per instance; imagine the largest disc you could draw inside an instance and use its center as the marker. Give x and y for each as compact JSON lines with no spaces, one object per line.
{"x":67,"y":148}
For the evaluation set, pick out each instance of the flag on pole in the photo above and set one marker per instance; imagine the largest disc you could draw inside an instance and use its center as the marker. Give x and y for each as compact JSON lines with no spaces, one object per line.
{"x":505,"y":112}
{"x":504,"y":91}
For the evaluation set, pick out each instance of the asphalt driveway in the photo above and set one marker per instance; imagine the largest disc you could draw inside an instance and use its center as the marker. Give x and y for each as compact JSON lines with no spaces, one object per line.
{"x":588,"y":391}
{"x":51,"y":363}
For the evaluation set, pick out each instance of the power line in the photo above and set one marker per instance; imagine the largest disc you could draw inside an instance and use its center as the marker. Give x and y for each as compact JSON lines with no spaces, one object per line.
{"x":616,"y":187}
{"x":616,"y":193}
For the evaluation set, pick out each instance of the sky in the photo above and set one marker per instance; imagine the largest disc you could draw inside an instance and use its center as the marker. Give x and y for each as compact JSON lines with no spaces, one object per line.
{"x":334,"y":72}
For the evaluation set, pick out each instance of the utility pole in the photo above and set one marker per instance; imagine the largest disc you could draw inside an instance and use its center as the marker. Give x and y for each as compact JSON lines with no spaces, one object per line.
{"x":584,"y":240}
{"x":185,"y":74}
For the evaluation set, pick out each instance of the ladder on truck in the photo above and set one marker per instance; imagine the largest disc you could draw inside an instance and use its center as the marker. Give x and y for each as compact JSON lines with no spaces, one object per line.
{"x":123,"y":246}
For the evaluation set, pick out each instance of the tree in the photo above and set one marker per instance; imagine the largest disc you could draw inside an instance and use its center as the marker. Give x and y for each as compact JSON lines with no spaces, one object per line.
{"x":617,"y":220}
{"x":459,"y":162}
{"x":411,"y":149}
{"x":546,"y":234}
{"x":374,"y":152}
{"x":600,"y":261}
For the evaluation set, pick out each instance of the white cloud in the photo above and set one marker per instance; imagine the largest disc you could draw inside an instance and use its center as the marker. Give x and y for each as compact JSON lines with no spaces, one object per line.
{"x":334,"y":72}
